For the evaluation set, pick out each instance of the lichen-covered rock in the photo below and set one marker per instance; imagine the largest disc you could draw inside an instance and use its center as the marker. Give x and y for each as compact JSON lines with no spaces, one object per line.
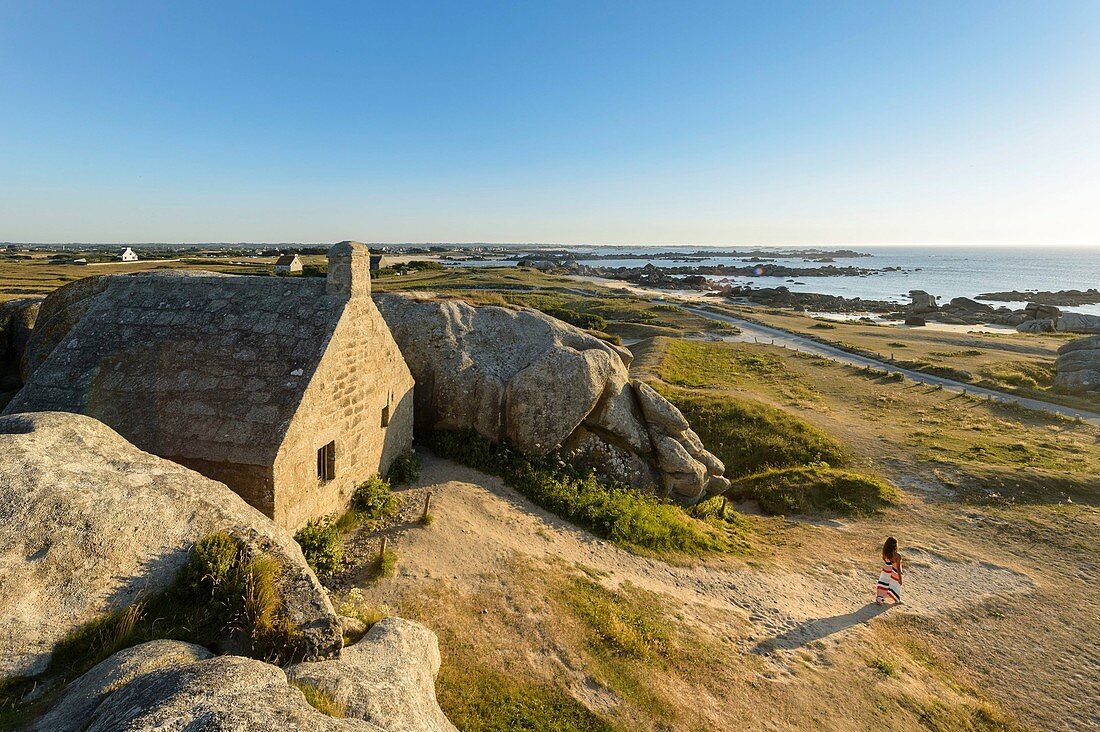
{"x":1078,"y":366}
{"x":383,"y":683}
{"x":60,"y":311}
{"x":529,"y":379}
{"x":90,"y":524}
{"x":533,"y":421}
{"x":1036,"y":326}
{"x":166,"y":685}
{"x":387,"y":678}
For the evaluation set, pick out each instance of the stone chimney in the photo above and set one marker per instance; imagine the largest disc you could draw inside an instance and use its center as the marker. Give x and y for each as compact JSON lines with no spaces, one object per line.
{"x":348,"y":270}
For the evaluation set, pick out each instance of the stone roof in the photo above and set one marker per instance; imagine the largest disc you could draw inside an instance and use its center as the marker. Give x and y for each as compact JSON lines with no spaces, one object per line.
{"x":285,"y":260}
{"x":191,"y":365}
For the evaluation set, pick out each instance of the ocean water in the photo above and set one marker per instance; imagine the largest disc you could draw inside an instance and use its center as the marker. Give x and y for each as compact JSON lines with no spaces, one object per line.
{"x":944,"y":271}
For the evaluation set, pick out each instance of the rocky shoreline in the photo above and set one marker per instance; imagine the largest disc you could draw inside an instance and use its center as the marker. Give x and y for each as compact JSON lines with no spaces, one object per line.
{"x":1090,"y":296}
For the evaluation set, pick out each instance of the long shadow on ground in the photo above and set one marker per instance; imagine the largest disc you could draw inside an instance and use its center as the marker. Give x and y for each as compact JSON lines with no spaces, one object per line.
{"x":819,"y":628}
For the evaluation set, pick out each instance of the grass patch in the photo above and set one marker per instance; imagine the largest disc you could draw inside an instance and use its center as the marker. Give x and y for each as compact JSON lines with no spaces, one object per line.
{"x":824,"y":326}
{"x":815,"y":489}
{"x":405,"y":469}
{"x":749,"y":436}
{"x":630,"y":518}
{"x":322,"y":543}
{"x":616,"y":626}
{"x":386,"y":564}
{"x":883,"y":666}
{"x":695,"y":364}
{"x":480,"y":699}
{"x":987,"y":485}
{"x":319,"y":700}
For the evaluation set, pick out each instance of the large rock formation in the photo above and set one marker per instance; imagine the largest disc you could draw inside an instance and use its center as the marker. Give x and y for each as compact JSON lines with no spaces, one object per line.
{"x":387,"y":678}
{"x":383,"y":683}
{"x":1078,"y":366}
{"x":60,"y":311}
{"x":17,"y":319}
{"x":1078,"y":323}
{"x":90,"y":524}
{"x":524,"y":377}
{"x":922,"y":302}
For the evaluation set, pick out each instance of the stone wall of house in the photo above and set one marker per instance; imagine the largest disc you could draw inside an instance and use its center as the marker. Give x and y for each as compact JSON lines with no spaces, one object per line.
{"x":361,"y":375}
{"x":254,"y":483}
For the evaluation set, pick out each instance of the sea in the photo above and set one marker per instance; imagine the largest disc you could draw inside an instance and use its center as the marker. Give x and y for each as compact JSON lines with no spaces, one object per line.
{"x":944,"y":271}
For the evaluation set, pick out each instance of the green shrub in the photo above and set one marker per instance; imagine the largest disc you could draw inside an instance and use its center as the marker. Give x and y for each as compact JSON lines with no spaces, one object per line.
{"x":588,"y":321}
{"x":373,"y":499}
{"x":405,"y":469}
{"x":628,"y":517}
{"x":322,"y":544}
{"x":386,"y":564}
{"x":815,"y":489}
{"x":749,"y":436}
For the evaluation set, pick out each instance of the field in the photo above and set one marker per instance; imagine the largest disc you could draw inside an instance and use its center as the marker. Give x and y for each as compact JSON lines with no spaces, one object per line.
{"x":1016,"y":363}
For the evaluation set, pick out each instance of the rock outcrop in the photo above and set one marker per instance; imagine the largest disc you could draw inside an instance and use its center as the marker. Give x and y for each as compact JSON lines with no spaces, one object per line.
{"x":1078,"y":366}
{"x":383,"y":683}
{"x":922,"y":302}
{"x":387,"y":678}
{"x":17,"y":319}
{"x":90,"y":524}
{"x":524,"y":377}
{"x":60,"y":311}
{"x":1078,"y":323}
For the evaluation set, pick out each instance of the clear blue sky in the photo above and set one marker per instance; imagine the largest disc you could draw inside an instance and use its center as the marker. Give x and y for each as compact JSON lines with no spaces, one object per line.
{"x":667,"y":123}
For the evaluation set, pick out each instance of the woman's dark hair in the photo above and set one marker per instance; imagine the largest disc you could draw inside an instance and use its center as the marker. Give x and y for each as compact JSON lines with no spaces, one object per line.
{"x":890,"y":548}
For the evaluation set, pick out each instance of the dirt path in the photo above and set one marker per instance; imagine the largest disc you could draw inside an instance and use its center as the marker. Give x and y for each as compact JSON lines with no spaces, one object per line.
{"x":481,"y":523}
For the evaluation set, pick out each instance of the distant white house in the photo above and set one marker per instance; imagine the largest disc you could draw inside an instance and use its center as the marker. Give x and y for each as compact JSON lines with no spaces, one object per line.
{"x":128,"y":255}
{"x":288,"y":263}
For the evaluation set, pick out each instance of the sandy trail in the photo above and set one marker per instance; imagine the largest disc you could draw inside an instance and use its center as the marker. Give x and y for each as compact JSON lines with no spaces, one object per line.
{"x":481,"y":524}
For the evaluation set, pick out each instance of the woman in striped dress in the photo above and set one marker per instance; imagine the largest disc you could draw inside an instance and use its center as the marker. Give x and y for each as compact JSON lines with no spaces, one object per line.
{"x":889,"y":582}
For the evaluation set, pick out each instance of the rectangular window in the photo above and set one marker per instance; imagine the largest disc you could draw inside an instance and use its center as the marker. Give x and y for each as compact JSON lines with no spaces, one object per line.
{"x":386,"y":416}
{"x":326,"y":462}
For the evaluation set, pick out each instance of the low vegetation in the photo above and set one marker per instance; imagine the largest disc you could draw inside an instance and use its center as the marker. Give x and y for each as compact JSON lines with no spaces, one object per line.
{"x":373,"y":499}
{"x":322,"y":544}
{"x":632,"y":519}
{"x":588,"y":321}
{"x":319,"y":700}
{"x":815,"y":489}
{"x":749,"y":436}
{"x":223,"y":590}
{"x":405,"y":469}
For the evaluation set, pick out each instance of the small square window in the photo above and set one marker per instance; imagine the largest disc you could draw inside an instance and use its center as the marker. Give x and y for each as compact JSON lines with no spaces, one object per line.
{"x":386,"y":416}
{"x":326,"y":462}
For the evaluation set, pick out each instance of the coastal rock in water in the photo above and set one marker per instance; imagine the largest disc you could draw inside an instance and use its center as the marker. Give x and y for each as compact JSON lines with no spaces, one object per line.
{"x":968,"y":305}
{"x":90,"y":524}
{"x":1039,"y":311}
{"x":1079,"y":323}
{"x":1078,"y":366}
{"x":529,"y":379}
{"x":387,"y":678}
{"x":1036,"y":326}
{"x":922,"y":302}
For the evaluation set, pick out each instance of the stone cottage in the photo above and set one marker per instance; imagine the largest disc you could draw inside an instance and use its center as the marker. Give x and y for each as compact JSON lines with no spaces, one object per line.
{"x":290,"y":391}
{"x":288,"y":263}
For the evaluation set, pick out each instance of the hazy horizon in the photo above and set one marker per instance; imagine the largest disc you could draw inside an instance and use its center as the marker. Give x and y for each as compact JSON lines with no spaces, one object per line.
{"x":700,"y":124}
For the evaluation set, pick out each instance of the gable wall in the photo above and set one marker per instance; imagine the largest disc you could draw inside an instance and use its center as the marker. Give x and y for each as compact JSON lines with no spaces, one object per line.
{"x":361,"y":372}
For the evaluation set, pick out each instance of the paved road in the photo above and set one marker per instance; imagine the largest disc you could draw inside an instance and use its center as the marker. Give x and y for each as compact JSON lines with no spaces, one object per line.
{"x":752,"y":332}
